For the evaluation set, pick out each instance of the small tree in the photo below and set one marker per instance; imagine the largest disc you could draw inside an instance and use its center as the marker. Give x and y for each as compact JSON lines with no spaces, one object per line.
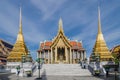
{"x":115,"y":58}
{"x":116,"y":55}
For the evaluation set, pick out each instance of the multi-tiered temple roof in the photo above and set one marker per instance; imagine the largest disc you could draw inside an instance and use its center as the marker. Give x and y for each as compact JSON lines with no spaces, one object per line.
{"x":75,"y":45}
{"x":5,"y":49}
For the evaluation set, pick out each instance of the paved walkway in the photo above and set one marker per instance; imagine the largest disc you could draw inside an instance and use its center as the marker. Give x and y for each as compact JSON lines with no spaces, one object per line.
{"x":14,"y":77}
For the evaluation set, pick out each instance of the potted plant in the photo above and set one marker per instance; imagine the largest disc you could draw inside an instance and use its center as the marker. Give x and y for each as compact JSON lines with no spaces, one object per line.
{"x":29,"y":73}
{"x":97,"y":72}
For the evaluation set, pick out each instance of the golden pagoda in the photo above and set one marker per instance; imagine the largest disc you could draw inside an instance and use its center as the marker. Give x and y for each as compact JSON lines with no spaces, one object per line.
{"x":19,"y":48}
{"x":100,"y":48}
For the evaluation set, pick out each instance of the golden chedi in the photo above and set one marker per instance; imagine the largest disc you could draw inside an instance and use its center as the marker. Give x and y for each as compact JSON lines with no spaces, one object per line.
{"x":100,"y":48}
{"x":19,"y":48}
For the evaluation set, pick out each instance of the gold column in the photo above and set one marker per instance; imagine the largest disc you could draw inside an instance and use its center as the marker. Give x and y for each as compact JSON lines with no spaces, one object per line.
{"x":51,"y":56}
{"x":73,"y":56}
{"x":66,"y":54}
{"x":55,"y":54}
{"x":70,"y":57}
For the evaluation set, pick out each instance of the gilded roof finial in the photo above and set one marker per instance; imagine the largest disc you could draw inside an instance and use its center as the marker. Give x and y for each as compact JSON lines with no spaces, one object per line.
{"x":20,"y":34}
{"x":60,"y":25}
{"x":20,"y":24}
{"x":99,"y":21}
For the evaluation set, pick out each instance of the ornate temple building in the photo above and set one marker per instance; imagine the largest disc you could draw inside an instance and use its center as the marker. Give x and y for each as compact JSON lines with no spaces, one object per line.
{"x":116,"y":50}
{"x":19,"y":48}
{"x":100,"y":48}
{"x":5,"y":49}
{"x":61,"y":49}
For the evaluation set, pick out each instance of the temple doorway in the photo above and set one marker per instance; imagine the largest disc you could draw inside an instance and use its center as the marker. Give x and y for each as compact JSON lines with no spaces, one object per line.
{"x":61,"y":54}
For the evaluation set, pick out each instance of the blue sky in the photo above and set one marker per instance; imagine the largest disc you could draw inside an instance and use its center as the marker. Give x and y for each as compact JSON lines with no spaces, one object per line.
{"x":80,"y":21}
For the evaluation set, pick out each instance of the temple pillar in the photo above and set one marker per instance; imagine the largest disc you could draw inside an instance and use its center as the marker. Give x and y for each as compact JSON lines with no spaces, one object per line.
{"x":51,"y":56}
{"x":48,"y":57}
{"x":70,"y":56}
{"x":78,"y":56}
{"x":84,"y":54}
{"x":44,"y":56}
{"x":81,"y":55}
{"x":73,"y":56}
{"x":55,"y":54}
{"x":66,"y":54}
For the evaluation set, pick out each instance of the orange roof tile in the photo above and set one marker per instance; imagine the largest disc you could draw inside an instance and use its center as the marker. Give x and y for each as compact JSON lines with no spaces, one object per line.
{"x":48,"y":43}
{"x":75,"y":45}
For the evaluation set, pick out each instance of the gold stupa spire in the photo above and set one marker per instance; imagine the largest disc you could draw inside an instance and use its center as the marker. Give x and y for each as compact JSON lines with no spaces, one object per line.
{"x":20,"y":34}
{"x":99,"y":22}
{"x":100,"y":47}
{"x":60,"y":25}
{"x":19,"y":48}
{"x":20,"y":23}
{"x":99,"y":35}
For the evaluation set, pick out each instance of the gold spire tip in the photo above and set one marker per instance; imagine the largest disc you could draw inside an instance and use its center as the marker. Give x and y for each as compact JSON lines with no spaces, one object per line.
{"x":20,"y":24}
{"x":99,"y":21}
{"x":60,"y":24}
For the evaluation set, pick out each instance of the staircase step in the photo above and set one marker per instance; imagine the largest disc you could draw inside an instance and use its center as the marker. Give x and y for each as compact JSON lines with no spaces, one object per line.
{"x":63,"y":69}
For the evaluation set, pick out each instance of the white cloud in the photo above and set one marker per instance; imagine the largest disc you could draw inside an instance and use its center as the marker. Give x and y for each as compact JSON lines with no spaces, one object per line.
{"x":48,"y":7}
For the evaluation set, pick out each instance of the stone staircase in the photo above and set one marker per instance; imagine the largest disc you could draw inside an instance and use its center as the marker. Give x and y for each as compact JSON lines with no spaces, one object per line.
{"x":63,"y":69}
